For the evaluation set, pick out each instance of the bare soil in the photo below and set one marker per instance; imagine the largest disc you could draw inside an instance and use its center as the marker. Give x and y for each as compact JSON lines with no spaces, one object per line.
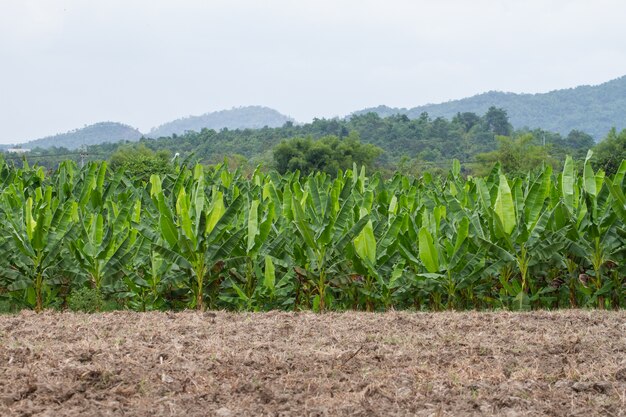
{"x":295,"y":364}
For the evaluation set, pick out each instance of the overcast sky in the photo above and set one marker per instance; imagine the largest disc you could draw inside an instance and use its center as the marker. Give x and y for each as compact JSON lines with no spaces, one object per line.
{"x":68,"y":63}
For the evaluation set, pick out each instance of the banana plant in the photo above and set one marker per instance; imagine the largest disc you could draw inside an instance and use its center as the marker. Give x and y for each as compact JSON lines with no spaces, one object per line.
{"x":324,"y":221}
{"x":206,"y":236}
{"x":102,"y":246}
{"x":264,"y":247}
{"x":617,"y":265}
{"x":150,"y":279}
{"x":37,"y":233}
{"x":594,"y":232}
{"x":518,"y":231}
{"x":444,"y":249}
{"x":196,"y":235}
{"x":269,"y":293}
{"x":375,"y":255}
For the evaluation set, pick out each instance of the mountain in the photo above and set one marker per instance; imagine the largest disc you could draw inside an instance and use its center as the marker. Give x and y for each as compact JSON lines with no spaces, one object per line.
{"x":88,"y":135}
{"x":592,"y":109}
{"x":251,"y":117}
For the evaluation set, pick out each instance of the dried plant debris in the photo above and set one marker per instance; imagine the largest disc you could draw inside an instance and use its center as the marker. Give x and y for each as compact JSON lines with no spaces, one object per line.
{"x":294,"y":364}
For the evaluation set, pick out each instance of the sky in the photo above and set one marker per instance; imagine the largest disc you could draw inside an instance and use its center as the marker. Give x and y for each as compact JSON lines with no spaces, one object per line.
{"x":65,"y":64}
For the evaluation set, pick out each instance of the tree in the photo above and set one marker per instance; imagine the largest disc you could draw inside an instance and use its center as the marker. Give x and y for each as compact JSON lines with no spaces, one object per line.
{"x":516,"y":155}
{"x":579,"y":140}
{"x":139,"y":161}
{"x":289,"y":154}
{"x":610,"y":152}
{"x":466,"y":120}
{"x":328,"y":154}
{"x":497,"y":121}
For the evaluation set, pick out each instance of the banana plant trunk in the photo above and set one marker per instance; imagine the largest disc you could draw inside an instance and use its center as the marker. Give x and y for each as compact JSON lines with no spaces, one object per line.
{"x":38,"y":293}
{"x":200,"y":289}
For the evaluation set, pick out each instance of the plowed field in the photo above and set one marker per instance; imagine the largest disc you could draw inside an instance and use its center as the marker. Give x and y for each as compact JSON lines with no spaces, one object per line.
{"x":294,"y":364}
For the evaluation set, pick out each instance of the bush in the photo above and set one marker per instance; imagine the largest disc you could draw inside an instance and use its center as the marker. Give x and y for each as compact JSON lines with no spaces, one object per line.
{"x":88,"y":300}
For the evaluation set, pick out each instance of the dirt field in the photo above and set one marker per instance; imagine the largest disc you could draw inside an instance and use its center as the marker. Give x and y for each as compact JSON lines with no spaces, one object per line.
{"x":293,"y":364}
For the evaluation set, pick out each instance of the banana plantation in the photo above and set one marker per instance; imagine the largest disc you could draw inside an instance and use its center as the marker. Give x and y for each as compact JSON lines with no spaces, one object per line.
{"x":210,"y":238}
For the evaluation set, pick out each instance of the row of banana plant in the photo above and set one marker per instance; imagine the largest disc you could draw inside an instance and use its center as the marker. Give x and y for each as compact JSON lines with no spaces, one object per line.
{"x":207,"y":237}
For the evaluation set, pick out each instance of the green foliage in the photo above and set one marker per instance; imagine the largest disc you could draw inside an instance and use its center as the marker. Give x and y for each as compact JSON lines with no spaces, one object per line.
{"x":611,"y":151}
{"x":497,"y":121}
{"x":412,"y":146}
{"x":577,"y":139}
{"x":328,"y":154}
{"x":86,"y":299}
{"x":515,"y":155}
{"x":214,"y":238}
{"x":139,"y":161}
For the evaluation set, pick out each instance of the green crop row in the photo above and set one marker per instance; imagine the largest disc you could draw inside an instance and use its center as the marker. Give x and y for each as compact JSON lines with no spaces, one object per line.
{"x":211,"y":238}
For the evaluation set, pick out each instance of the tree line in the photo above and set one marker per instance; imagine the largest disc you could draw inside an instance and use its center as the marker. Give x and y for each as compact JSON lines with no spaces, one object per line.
{"x":388,"y":144}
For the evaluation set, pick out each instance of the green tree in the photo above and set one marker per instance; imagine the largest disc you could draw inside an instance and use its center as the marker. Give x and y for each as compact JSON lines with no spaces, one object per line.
{"x":610,"y":152}
{"x":328,"y":154}
{"x":515,"y":155}
{"x":497,"y":121}
{"x":579,"y":140}
{"x":139,"y":161}
{"x":466,"y":120}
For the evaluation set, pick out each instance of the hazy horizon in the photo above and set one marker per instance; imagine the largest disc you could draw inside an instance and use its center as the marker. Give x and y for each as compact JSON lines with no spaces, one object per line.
{"x":69,"y":63}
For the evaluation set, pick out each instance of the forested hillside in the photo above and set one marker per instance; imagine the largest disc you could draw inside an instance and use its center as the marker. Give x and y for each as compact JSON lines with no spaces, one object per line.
{"x":425,"y":138}
{"x":249,"y":117}
{"x":592,"y":109}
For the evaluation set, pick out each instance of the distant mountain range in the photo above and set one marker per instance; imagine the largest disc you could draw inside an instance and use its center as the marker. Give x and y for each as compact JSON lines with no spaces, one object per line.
{"x":252,"y":117}
{"x":249,"y":117}
{"x":592,"y":109}
{"x":88,"y":135}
